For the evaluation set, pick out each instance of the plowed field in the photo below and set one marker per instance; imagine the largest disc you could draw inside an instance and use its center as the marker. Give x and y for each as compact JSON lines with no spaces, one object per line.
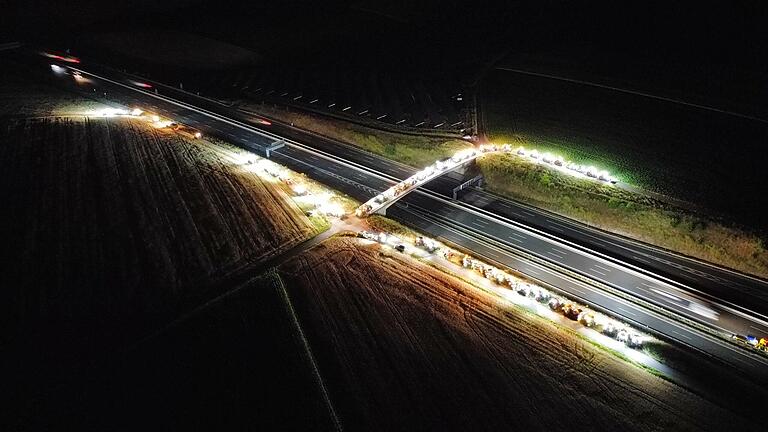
{"x":111,"y":227}
{"x":405,"y":347}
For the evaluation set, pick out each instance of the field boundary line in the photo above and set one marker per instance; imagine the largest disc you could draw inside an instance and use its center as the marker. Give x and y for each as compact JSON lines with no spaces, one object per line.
{"x":635,"y":92}
{"x":308,"y":349}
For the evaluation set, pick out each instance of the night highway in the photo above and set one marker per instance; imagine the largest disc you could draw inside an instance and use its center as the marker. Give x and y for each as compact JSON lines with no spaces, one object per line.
{"x":501,"y":236}
{"x":383,"y":216}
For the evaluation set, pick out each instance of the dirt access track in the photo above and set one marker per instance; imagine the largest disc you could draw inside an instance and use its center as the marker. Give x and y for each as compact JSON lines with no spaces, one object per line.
{"x":402,"y":346}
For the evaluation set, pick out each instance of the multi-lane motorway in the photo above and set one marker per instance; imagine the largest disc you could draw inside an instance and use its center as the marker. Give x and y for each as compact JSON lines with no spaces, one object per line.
{"x":667,"y":294}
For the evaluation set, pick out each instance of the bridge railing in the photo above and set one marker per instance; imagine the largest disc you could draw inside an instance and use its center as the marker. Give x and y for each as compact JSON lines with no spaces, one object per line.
{"x":389,"y":196}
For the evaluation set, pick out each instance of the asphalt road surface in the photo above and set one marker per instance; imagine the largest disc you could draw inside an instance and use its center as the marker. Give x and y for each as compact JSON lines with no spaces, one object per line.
{"x":492,"y":228}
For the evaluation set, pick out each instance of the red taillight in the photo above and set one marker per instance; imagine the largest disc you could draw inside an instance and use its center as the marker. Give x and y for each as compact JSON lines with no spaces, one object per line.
{"x":68,"y":59}
{"x":265,"y":122}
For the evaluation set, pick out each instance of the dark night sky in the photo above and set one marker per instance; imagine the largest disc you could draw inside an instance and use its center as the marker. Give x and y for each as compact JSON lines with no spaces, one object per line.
{"x":726,"y":40}
{"x":735,"y":31}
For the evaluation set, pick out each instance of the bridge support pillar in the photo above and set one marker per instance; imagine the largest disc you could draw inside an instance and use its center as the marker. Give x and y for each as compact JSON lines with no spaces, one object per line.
{"x":477,"y":180}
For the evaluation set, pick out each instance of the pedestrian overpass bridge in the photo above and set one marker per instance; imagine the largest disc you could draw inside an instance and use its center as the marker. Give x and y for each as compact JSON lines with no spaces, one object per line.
{"x":382,"y":201}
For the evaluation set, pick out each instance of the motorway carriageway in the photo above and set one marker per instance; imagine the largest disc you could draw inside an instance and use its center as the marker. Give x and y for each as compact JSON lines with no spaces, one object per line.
{"x":360,"y":183}
{"x":739,"y":292}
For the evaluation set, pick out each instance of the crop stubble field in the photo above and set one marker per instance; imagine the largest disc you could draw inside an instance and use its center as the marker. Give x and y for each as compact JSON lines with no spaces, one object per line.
{"x":398,"y":346}
{"x":110,"y":227}
{"x":237,"y":364}
{"x":403,"y":346}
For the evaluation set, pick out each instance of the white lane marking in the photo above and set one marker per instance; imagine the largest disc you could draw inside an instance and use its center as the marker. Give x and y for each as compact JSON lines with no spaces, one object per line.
{"x":666,"y":294}
{"x":626,"y":311}
{"x":528,"y":213}
{"x":493,"y":254}
{"x":648,"y":285}
{"x":680,"y":334}
{"x":596,"y":271}
{"x":555,"y":255}
{"x":561,"y":252}
{"x":757,"y":328}
{"x":517,"y":235}
{"x":602,"y":268}
{"x":555,"y":228}
{"x":503,"y":204}
{"x":577,"y":290}
{"x":515,"y":239}
{"x":641,"y":259}
{"x":533,"y":271}
{"x":484,"y":222}
{"x":558,"y":224}
{"x":474,"y":222}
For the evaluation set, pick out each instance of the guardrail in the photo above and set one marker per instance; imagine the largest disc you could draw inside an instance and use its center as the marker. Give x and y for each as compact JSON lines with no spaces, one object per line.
{"x":720,"y":334}
{"x":354,"y":165}
{"x":389,"y":196}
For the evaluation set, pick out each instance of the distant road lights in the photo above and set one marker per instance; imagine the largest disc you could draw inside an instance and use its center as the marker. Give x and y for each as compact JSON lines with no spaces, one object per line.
{"x":136,"y":112}
{"x":65,"y":58}
{"x":57,"y":69}
{"x":155,"y":118}
{"x":198,"y":135}
{"x":141,"y":84}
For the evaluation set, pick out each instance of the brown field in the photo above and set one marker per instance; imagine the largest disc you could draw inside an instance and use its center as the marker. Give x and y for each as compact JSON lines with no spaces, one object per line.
{"x":111,"y":227}
{"x":235,"y":365}
{"x":403,"y":346}
{"x":22,"y":97}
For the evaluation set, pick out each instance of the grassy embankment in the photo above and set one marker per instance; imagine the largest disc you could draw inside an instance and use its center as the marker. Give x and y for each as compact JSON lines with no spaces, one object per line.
{"x":608,"y":208}
{"x":629,"y":214}
{"x":416,"y":151}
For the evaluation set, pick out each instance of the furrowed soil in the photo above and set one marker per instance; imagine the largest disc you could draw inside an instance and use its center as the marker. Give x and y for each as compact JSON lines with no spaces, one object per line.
{"x":21,"y":97}
{"x":403,"y":346}
{"x":112,"y":228}
{"x":238,"y":364}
